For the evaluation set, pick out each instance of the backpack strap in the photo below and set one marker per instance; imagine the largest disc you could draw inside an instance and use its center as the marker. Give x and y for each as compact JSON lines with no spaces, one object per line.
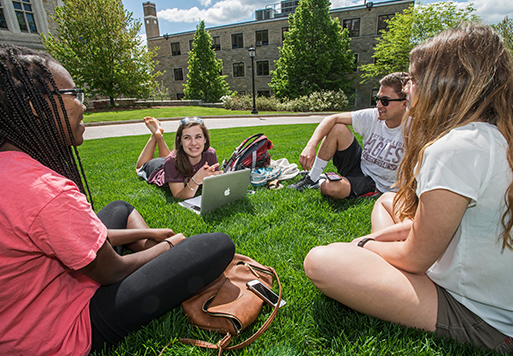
{"x":223,"y":343}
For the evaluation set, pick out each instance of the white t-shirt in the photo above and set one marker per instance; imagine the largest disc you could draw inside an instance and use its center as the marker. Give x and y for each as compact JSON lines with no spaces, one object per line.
{"x":471,"y":161}
{"x":383,"y":148}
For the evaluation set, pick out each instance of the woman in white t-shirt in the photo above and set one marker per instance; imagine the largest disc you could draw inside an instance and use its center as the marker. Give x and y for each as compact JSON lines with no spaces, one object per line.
{"x":440,"y":255}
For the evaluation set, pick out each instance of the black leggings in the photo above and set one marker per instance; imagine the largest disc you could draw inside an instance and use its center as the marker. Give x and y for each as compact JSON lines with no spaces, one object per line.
{"x":158,"y":286}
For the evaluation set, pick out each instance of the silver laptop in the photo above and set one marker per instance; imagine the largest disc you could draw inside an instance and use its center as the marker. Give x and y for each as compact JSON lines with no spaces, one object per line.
{"x":219,"y":190}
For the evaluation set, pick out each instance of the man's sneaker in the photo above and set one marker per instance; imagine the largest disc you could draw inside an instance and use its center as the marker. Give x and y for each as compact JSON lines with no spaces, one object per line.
{"x":304,"y":183}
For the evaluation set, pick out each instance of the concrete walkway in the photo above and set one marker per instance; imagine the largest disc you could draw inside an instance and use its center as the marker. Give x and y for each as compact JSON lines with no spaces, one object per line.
{"x":118,"y":129}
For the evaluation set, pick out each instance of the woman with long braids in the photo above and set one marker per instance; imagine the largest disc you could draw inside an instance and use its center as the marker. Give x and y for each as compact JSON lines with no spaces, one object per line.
{"x":442,"y":257}
{"x":65,"y":291}
{"x":184,"y":168}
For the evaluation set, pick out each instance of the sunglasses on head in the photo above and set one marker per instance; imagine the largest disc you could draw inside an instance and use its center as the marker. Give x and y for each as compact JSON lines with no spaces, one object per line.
{"x":189,"y":119}
{"x":385,"y":101}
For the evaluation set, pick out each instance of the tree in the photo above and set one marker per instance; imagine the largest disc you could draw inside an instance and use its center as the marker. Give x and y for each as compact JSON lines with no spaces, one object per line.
{"x":97,"y":42}
{"x":406,"y":30}
{"x":505,"y":30}
{"x":204,"y":81}
{"x":315,"y":55}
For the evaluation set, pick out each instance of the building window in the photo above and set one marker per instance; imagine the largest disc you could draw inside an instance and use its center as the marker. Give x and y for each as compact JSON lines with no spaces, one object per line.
{"x":180,"y":96}
{"x":356,"y":62}
{"x":284,"y":30}
{"x":175,"y":49}
{"x":353,"y":26}
{"x":238,"y":69}
{"x":178,"y":72}
{"x":3,"y":23}
{"x":216,"y":43}
{"x":266,"y":93}
{"x":237,"y":41}
{"x":382,"y":22}
{"x":262,"y":67}
{"x":374,"y":92}
{"x":25,"y":16}
{"x":351,"y":97}
{"x":262,"y":38}
{"x":191,"y":43}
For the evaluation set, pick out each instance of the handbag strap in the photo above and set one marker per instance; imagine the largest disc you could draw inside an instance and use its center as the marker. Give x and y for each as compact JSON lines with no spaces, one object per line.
{"x":222,"y":344}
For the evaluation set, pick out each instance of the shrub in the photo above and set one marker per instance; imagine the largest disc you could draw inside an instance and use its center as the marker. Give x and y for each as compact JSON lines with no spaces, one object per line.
{"x":326,"y":100}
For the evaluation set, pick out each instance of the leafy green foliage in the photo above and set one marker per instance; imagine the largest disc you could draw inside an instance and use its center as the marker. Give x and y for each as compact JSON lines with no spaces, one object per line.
{"x":315,"y":55}
{"x":97,"y":43}
{"x":205,"y":81}
{"x":407,"y":29}
{"x":276,"y":228}
{"x":160,"y":92}
{"x":505,"y":29}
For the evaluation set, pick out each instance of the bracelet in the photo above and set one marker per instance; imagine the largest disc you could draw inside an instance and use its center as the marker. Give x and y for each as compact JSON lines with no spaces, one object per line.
{"x":364,"y":241}
{"x":188,"y":186}
{"x":194,"y":180}
{"x":170,"y":244}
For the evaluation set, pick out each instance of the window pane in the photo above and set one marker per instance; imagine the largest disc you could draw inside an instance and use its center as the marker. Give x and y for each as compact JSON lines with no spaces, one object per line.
{"x":178,"y":74}
{"x":216,"y":43}
{"x":21,"y":21}
{"x":263,"y":68}
{"x":17,"y":5}
{"x":3,"y":23}
{"x":31,"y":23}
{"x":238,"y":69}
{"x":237,"y":41}
{"x":175,"y":49}
{"x":27,"y":7}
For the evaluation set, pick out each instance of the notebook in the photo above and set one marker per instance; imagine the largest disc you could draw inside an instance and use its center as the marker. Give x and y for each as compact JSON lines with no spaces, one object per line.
{"x":219,"y":190}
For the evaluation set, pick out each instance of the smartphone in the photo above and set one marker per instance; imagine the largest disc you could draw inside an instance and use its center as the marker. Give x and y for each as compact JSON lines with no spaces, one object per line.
{"x":333,"y":176}
{"x":264,"y":293}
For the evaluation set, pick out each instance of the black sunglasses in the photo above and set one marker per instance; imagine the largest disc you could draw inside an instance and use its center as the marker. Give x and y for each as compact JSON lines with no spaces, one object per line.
{"x":189,"y":119}
{"x":385,"y":101}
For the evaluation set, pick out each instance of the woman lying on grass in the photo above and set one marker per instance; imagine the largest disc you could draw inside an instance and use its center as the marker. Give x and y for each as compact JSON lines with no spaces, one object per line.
{"x":441,"y":259}
{"x":184,"y":168}
{"x":65,"y":291}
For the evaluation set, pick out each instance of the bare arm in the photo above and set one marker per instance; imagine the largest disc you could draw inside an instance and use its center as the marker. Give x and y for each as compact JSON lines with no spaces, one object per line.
{"x":180,"y":192}
{"x":127,"y":236}
{"x":307,"y":157}
{"x":108,"y":267}
{"x":438,"y":216}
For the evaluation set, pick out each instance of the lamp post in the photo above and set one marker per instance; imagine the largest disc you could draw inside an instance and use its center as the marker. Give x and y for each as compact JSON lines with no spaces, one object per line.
{"x":252,"y":51}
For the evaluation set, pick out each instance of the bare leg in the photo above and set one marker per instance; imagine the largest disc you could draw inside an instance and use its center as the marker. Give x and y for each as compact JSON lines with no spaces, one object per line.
{"x":339,"y":138}
{"x":156,"y":139}
{"x":382,"y":213}
{"x":365,"y":282}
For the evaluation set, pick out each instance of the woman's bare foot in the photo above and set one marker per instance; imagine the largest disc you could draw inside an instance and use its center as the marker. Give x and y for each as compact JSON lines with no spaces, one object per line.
{"x":154,"y":126}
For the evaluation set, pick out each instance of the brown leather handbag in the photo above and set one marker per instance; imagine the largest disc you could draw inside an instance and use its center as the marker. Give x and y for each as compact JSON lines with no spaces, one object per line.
{"x":227,"y":306}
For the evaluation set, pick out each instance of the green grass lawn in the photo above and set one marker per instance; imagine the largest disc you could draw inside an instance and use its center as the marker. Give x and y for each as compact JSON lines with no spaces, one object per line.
{"x":276,"y":228}
{"x":165,"y":112}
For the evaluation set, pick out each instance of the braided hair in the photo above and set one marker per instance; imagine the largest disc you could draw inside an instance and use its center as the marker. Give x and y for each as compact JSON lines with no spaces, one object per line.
{"x":29,"y":115}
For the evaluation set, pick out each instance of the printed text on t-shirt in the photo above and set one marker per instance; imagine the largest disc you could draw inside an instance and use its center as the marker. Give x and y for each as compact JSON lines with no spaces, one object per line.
{"x":383,"y":152}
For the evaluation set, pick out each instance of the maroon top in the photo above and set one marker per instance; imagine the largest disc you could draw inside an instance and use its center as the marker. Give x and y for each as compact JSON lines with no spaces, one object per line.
{"x":169,"y":174}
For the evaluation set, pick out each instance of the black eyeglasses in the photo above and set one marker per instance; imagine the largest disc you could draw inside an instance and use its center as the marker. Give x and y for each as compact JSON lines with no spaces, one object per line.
{"x":189,"y":119}
{"x":385,"y":101}
{"x":79,"y":93}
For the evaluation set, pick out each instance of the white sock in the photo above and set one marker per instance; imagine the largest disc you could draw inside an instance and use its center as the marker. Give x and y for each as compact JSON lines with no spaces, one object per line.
{"x":317,"y":168}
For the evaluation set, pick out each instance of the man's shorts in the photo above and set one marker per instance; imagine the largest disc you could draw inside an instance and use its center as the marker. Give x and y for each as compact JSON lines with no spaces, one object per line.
{"x":457,"y":322}
{"x":348,"y":163}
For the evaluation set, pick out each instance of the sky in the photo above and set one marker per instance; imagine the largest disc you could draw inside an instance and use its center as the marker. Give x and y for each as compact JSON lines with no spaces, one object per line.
{"x":181,"y":16}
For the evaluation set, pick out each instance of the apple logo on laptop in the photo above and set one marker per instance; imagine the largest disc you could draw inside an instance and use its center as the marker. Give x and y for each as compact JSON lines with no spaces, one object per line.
{"x":227,"y":192}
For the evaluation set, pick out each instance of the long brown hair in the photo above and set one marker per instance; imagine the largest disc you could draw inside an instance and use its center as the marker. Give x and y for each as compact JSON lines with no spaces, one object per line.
{"x":462,"y":75}
{"x":183,"y":164}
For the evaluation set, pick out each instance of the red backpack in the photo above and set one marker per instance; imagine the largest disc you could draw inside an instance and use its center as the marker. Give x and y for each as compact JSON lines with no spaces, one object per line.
{"x":251,"y":153}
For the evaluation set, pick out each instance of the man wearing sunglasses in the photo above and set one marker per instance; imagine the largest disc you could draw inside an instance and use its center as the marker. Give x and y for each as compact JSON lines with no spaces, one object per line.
{"x":364,"y":171}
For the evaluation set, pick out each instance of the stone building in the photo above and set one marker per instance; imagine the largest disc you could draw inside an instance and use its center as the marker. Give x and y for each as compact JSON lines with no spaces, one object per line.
{"x":22,"y":21}
{"x":232,"y":42}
